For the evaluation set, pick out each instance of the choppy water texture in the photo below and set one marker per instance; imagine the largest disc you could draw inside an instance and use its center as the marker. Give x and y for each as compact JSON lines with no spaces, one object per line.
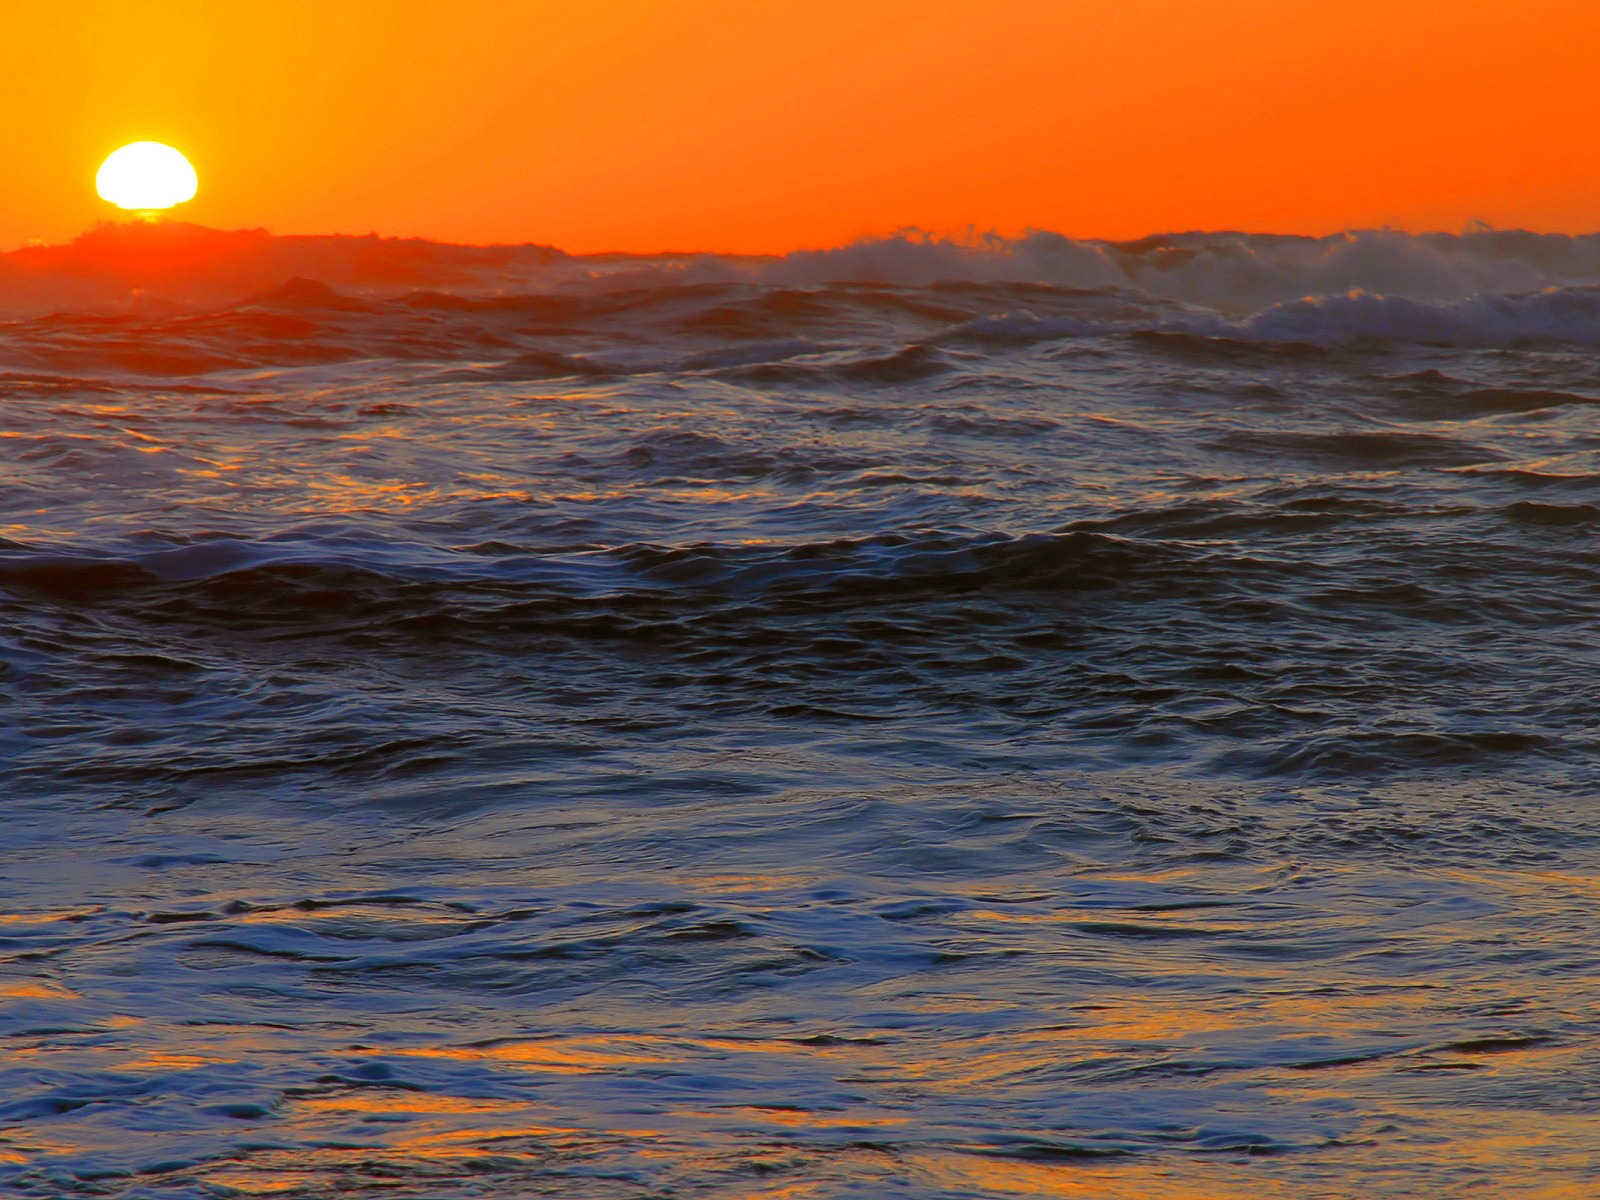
{"x":1030,"y":719}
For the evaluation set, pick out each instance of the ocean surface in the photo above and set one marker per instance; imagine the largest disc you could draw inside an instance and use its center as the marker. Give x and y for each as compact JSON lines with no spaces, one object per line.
{"x":924,"y":720}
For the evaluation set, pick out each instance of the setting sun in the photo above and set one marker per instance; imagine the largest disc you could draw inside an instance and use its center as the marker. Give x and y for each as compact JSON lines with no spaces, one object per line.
{"x":145,"y":176}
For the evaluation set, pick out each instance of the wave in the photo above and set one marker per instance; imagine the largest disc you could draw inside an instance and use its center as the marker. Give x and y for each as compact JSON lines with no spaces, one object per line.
{"x":1231,"y":273}
{"x":307,"y":582}
{"x":877,"y":337}
{"x":164,"y":267}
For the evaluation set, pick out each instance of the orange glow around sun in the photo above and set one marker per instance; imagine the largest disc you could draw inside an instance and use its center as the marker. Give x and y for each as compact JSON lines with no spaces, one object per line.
{"x":723,"y":124}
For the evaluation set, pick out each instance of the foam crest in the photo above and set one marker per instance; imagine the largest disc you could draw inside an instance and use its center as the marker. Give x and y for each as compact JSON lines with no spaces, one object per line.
{"x":1229,"y":272}
{"x":1569,"y":315}
{"x":914,"y":259}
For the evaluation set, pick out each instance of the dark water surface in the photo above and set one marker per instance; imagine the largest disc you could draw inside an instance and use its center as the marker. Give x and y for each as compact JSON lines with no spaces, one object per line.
{"x":723,"y":734}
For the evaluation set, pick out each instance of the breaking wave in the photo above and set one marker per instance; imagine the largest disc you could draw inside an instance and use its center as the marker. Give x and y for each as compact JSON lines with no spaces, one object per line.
{"x":1473,"y":289}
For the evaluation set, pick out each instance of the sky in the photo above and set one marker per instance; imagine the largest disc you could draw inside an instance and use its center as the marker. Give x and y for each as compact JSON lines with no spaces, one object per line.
{"x":769,"y":125}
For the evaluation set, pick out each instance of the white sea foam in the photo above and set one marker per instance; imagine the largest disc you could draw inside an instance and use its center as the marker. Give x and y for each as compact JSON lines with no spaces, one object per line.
{"x":1570,"y":314}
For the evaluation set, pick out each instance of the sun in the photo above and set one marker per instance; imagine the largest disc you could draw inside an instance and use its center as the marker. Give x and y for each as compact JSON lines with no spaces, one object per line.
{"x":145,"y":176}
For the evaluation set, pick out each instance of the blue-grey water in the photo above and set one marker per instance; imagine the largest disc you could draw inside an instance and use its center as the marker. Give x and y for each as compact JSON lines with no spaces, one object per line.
{"x":1032,"y":719}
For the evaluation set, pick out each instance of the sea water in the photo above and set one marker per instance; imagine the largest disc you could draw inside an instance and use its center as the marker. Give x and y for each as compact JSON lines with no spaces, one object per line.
{"x":935,"y":720}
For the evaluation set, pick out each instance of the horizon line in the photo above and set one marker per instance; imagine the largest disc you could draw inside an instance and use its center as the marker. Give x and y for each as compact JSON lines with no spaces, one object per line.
{"x":970,"y":237}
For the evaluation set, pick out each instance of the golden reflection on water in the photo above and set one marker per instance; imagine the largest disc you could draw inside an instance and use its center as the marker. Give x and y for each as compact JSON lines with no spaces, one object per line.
{"x":32,"y":1146}
{"x":950,"y":1172}
{"x":710,"y":494}
{"x":790,"y":1191}
{"x":973,"y":1174}
{"x":559,"y":1055}
{"x":349,"y":493}
{"x":367,"y":1101}
{"x":1417,"y":1085}
{"x":44,"y":917}
{"x":255,"y":1181}
{"x":172,"y":1062}
{"x":36,"y":989}
{"x":435,"y":1141}
{"x":799,"y":1118}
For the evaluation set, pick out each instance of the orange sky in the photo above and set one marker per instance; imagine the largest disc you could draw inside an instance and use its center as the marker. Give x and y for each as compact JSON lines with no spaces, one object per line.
{"x":762,"y":125}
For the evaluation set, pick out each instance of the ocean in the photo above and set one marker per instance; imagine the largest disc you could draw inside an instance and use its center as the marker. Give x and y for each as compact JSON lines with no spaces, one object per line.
{"x":930,"y":719}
